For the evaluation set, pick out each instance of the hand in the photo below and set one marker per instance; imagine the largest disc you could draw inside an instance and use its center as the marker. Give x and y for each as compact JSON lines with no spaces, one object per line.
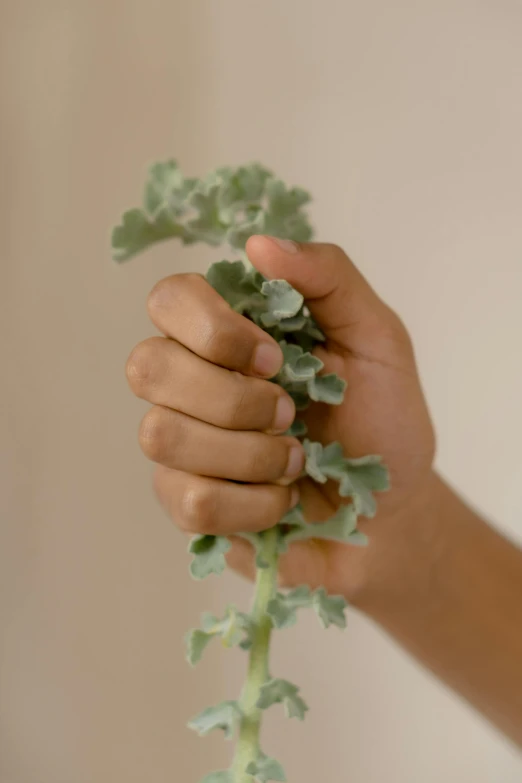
{"x":216,"y":422}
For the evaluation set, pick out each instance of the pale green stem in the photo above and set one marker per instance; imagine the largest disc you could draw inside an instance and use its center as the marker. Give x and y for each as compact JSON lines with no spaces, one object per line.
{"x":247,"y":749}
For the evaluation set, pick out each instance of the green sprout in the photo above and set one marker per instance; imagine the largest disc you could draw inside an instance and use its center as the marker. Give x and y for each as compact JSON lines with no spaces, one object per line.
{"x":226,"y":208}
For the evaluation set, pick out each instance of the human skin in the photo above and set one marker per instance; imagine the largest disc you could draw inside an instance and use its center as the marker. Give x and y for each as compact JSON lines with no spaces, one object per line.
{"x":436,"y":576}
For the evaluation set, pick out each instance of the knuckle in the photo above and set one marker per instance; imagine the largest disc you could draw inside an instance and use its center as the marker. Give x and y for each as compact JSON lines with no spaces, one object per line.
{"x":225,"y":343}
{"x":168,"y":290}
{"x":198,"y":506}
{"x":396,"y":332}
{"x":152,"y":434}
{"x":238,"y":401}
{"x":264,"y":463}
{"x":141,"y":365}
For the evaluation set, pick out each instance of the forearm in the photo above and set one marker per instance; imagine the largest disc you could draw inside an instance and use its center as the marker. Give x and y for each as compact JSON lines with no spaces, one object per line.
{"x":454,"y":600}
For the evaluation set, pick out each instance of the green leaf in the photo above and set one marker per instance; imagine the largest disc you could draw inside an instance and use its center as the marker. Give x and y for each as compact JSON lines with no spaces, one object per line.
{"x":208,"y":226}
{"x":238,"y":234}
{"x":137,"y":231}
{"x":196,"y":642}
{"x":292,"y":324}
{"x":282,"y":301}
{"x":327,"y":388}
{"x":297,"y":429}
{"x":256,"y":540}
{"x":224,"y":716}
{"x":233,"y":629}
{"x":266,"y":769}
{"x":236,"y":285}
{"x":329,"y":608}
{"x":283,"y":202}
{"x":358,"y":478}
{"x":166,"y":187}
{"x":298,"y":366}
{"x":314,"y":458}
{"x":282,"y":609}
{"x":224,"y":776}
{"x":281,"y":691}
{"x":209,"y":555}
{"x":340,"y":527}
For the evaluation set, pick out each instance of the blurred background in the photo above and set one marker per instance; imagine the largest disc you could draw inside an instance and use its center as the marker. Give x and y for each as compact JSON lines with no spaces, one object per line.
{"x":405,"y":121}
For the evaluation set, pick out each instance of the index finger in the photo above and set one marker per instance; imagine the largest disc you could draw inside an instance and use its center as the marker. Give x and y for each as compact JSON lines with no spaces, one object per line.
{"x":186,"y":308}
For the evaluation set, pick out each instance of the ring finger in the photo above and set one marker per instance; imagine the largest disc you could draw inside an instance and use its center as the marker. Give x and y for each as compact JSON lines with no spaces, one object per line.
{"x":178,"y":441}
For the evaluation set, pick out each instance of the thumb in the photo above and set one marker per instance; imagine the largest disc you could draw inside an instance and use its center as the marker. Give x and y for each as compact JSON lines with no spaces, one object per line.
{"x":340,"y":299}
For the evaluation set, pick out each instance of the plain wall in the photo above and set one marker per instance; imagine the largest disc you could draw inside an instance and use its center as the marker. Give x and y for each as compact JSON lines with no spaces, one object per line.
{"x":405,"y":121}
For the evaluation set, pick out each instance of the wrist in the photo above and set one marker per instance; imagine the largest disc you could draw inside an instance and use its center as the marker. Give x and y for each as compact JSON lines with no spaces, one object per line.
{"x":405,"y":551}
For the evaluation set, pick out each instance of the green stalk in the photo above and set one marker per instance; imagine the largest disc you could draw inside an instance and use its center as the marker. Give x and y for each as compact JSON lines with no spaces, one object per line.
{"x":247,"y":749}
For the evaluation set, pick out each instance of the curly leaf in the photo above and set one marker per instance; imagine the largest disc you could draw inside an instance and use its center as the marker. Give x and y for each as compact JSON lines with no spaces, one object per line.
{"x":209,"y":555}
{"x":196,"y":642}
{"x":208,"y":226}
{"x":137,"y":231}
{"x":281,"y":691}
{"x":282,"y":609}
{"x":329,"y":608}
{"x":236,"y":285}
{"x":167,"y":187}
{"x":224,"y":716}
{"x":361,"y":477}
{"x":240,"y":233}
{"x":282,"y":301}
{"x":234,"y":629}
{"x":266,"y":769}
{"x":340,"y":527}
{"x":358,"y":478}
{"x":327,"y":388}
{"x":298,"y":366}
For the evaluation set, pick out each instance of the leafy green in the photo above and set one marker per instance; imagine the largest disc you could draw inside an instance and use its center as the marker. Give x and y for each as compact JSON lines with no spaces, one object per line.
{"x":282,"y":609}
{"x":340,"y":527}
{"x":282,"y":301}
{"x":167,"y":188}
{"x":277,"y":691}
{"x":224,"y":716}
{"x":358,"y":478}
{"x":266,"y":769}
{"x":234,"y":629}
{"x":298,"y":366}
{"x":327,"y":388}
{"x":137,"y":232}
{"x":196,"y":642}
{"x":228,"y":205}
{"x":209,"y":555}
{"x":329,"y":608}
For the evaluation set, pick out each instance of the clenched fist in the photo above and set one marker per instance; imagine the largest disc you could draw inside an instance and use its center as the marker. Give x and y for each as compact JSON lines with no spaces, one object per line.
{"x":217,"y":422}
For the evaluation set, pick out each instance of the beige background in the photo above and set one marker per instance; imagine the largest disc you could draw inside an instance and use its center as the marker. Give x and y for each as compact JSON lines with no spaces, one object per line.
{"x":405,"y":120}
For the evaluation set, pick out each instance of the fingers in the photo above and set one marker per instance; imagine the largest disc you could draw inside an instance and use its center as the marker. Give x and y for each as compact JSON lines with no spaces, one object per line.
{"x":166,"y":373}
{"x":214,"y":507}
{"x":183,"y":443}
{"x":186,"y":308}
{"x":338,"y":296}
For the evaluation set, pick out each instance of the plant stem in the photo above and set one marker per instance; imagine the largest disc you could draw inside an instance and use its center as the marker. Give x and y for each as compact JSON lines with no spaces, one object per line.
{"x":258,"y":670}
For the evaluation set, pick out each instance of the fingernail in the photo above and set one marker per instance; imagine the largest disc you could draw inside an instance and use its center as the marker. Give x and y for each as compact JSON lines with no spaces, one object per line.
{"x":286,"y":244}
{"x":268,"y":359}
{"x":284,"y":413}
{"x":294,"y":496}
{"x":295,"y":462}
